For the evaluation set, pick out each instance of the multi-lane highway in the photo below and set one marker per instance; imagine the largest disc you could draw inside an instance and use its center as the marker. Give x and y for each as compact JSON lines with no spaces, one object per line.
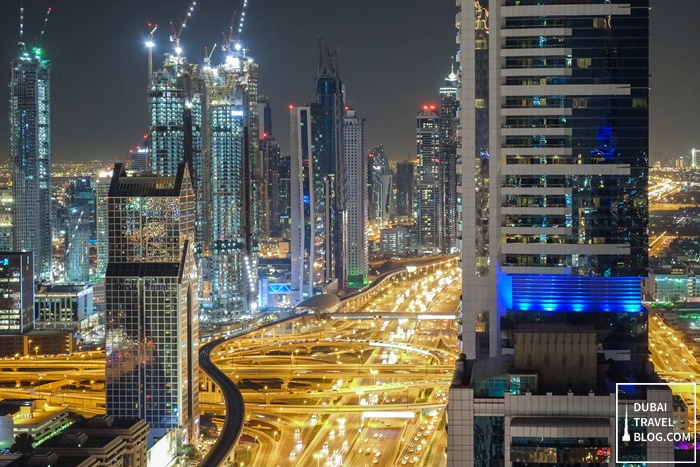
{"x":349,"y":389}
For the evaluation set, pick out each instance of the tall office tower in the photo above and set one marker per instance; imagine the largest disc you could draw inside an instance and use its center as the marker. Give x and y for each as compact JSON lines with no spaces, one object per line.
{"x":152,"y":368}
{"x":448,"y":159}
{"x":554,"y":131}
{"x":234,"y":168}
{"x":30,"y":146}
{"x":358,"y":212}
{"x":102,"y":225}
{"x":310,"y":200}
{"x":176,"y":101}
{"x":270,"y":149}
{"x":285,"y":197}
{"x":16,"y":293}
{"x":268,"y":175}
{"x":329,"y":100}
{"x":81,"y":220}
{"x":693,"y":157}
{"x":429,"y":175}
{"x":377,"y":167}
{"x":404,"y":189}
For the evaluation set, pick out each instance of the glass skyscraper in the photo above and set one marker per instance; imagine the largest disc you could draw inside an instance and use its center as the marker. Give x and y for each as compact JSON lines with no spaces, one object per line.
{"x":30,"y":146}
{"x":554,"y":108}
{"x":430,"y":222}
{"x":357,"y":207}
{"x":151,"y":313}
{"x":554,"y":139}
{"x":329,"y":121}
{"x":232,"y":113}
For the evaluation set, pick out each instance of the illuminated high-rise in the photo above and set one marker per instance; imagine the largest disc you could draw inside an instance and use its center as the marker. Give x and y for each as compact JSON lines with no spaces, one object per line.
{"x":80,"y":201}
{"x":448,"y":160}
{"x":235,"y":181}
{"x":554,"y":124}
{"x":329,"y":100}
{"x":30,"y":147}
{"x":429,"y":177}
{"x":151,"y":317}
{"x":357,"y":199}
{"x":310,"y":194}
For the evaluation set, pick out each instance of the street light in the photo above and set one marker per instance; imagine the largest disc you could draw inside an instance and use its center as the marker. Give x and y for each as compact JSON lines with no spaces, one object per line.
{"x":36,"y":356}
{"x":318,"y":457}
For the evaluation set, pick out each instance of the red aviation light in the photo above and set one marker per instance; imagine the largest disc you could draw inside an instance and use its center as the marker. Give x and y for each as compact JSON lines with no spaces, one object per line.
{"x":425,"y":107}
{"x":291,"y":106}
{"x":432,"y":107}
{"x":265,"y":135}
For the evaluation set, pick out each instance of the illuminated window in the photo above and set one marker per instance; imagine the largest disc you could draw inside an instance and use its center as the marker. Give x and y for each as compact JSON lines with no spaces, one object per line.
{"x":479,"y":103}
{"x":583,"y":62}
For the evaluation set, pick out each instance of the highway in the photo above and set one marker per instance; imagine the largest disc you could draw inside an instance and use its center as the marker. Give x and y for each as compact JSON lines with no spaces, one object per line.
{"x":343,"y":390}
{"x":233,"y":424}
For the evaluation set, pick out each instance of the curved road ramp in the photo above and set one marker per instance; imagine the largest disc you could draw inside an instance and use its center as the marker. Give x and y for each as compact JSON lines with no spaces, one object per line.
{"x":235,"y":409}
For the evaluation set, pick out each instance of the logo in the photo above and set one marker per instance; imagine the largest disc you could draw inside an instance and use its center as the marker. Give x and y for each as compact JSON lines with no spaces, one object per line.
{"x":654,"y":421}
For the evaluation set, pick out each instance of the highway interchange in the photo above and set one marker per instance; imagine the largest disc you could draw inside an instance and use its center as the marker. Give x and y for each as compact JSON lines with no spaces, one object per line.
{"x":360,"y":389}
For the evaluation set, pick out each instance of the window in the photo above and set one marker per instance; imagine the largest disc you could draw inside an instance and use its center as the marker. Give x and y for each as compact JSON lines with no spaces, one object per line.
{"x":479,"y":103}
{"x":583,"y":62}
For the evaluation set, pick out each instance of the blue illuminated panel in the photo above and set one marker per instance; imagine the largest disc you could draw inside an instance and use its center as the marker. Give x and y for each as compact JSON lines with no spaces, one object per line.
{"x":532,"y":292}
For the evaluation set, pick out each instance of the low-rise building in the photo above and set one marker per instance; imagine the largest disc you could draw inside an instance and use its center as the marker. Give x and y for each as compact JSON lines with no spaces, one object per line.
{"x":30,"y":416}
{"x":65,"y":307}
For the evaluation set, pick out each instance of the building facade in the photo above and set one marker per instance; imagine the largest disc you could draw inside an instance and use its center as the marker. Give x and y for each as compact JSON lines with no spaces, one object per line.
{"x":80,"y":202}
{"x":430,"y":193}
{"x":554,"y":142}
{"x":357,"y":199}
{"x":405,"y":189}
{"x":66,"y":307}
{"x":151,"y":312}
{"x":448,"y":160}
{"x":330,"y":100}
{"x":558,"y":196}
{"x":235,"y":182}
{"x":30,"y":148}
{"x":16,"y":293}
{"x":311,"y":241}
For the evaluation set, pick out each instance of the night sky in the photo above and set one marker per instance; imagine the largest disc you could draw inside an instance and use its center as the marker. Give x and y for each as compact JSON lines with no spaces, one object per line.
{"x":394,"y":55}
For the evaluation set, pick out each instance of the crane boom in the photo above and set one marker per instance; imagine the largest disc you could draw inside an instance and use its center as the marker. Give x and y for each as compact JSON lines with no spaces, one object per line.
{"x":175,"y":33}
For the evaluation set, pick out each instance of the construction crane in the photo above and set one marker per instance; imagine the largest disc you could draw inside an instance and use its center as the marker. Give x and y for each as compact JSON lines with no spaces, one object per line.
{"x":232,"y":42}
{"x":21,"y":43}
{"x":175,"y":33}
{"x":43,"y":29}
{"x":208,"y":54}
{"x":150,"y":44}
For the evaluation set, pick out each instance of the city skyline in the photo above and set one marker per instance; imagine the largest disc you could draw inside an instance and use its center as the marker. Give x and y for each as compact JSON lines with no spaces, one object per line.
{"x":109,"y":44}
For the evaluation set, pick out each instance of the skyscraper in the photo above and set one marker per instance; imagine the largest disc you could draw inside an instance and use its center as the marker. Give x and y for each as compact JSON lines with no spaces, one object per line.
{"x":404,"y":189}
{"x":310,"y":210}
{"x":568,"y":208}
{"x":235,"y":179}
{"x":152,"y":368}
{"x":429,"y":175}
{"x":330,"y":101}
{"x":357,"y":207}
{"x":30,"y":146}
{"x":377,"y":170}
{"x":81,"y":223}
{"x":102,"y":223}
{"x":448,"y":159}
{"x":554,"y":131}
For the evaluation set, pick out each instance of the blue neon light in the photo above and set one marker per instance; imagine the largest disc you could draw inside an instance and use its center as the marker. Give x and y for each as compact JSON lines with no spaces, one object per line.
{"x":552,"y":293}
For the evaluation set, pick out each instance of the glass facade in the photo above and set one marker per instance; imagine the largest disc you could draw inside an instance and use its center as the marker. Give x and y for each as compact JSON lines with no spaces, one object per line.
{"x":565,"y":127}
{"x":430,"y":191}
{"x":489,"y":441}
{"x":30,"y":146}
{"x":152,"y":368}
